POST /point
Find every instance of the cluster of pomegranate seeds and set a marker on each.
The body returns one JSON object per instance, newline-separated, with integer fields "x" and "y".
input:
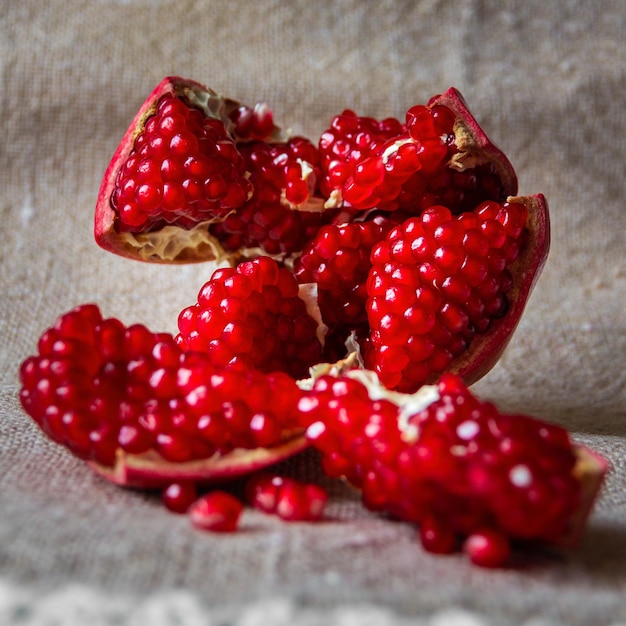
{"x": 97, "y": 387}
{"x": 445, "y": 460}
{"x": 288, "y": 498}
{"x": 275, "y": 219}
{"x": 389, "y": 166}
{"x": 253, "y": 123}
{"x": 350, "y": 141}
{"x": 436, "y": 281}
{"x": 338, "y": 260}
{"x": 252, "y": 316}
{"x": 184, "y": 168}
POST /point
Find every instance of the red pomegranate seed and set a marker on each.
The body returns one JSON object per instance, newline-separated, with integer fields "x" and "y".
{"x": 217, "y": 511}
{"x": 487, "y": 548}
{"x": 178, "y": 497}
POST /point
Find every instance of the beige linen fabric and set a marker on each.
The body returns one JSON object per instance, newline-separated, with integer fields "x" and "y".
{"x": 546, "y": 80}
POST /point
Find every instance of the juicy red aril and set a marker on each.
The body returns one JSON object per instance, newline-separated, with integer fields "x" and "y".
{"x": 456, "y": 465}
{"x": 178, "y": 497}
{"x": 217, "y": 511}
{"x": 441, "y": 278}
{"x": 487, "y": 548}
{"x": 126, "y": 388}
{"x": 184, "y": 168}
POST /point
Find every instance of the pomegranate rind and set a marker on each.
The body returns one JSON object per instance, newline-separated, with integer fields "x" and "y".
{"x": 474, "y": 147}
{"x": 486, "y": 349}
{"x": 590, "y": 469}
{"x": 150, "y": 470}
{"x": 171, "y": 244}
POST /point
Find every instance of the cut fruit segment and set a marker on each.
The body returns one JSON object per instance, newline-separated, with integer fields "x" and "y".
{"x": 176, "y": 170}
{"x": 443, "y": 459}
{"x": 144, "y": 413}
{"x": 446, "y": 292}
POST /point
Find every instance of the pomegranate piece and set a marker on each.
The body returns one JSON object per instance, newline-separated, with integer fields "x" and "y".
{"x": 451, "y": 463}
{"x": 217, "y": 511}
{"x": 288, "y": 498}
{"x": 438, "y": 280}
{"x": 440, "y": 155}
{"x": 176, "y": 169}
{"x": 252, "y": 316}
{"x": 183, "y": 168}
{"x": 144, "y": 413}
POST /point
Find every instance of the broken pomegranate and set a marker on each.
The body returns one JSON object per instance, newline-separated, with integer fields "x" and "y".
{"x": 443, "y": 459}
{"x": 403, "y": 245}
{"x": 439, "y": 282}
{"x": 144, "y": 413}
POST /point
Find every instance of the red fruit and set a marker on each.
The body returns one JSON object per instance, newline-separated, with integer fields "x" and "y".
{"x": 176, "y": 168}
{"x": 487, "y": 548}
{"x": 284, "y": 211}
{"x": 288, "y": 498}
{"x": 144, "y": 413}
{"x": 446, "y": 292}
{"x": 217, "y": 511}
{"x": 252, "y": 317}
{"x": 178, "y": 497}
{"x": 445, "y": 460}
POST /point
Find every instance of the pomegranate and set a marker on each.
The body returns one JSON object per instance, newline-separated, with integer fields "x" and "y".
{"x": 453, "y": 464}
{"x": 420, "y": 257}
{"x": 183, "y": 164}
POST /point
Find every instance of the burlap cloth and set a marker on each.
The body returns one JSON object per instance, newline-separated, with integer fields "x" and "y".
{"x": 546, "y": 79}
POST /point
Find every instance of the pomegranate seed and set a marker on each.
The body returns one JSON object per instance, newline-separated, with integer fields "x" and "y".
{"x": 217, "y": 511}
{"x": 487, "y": 548}
{"x": 178, "y": 497}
